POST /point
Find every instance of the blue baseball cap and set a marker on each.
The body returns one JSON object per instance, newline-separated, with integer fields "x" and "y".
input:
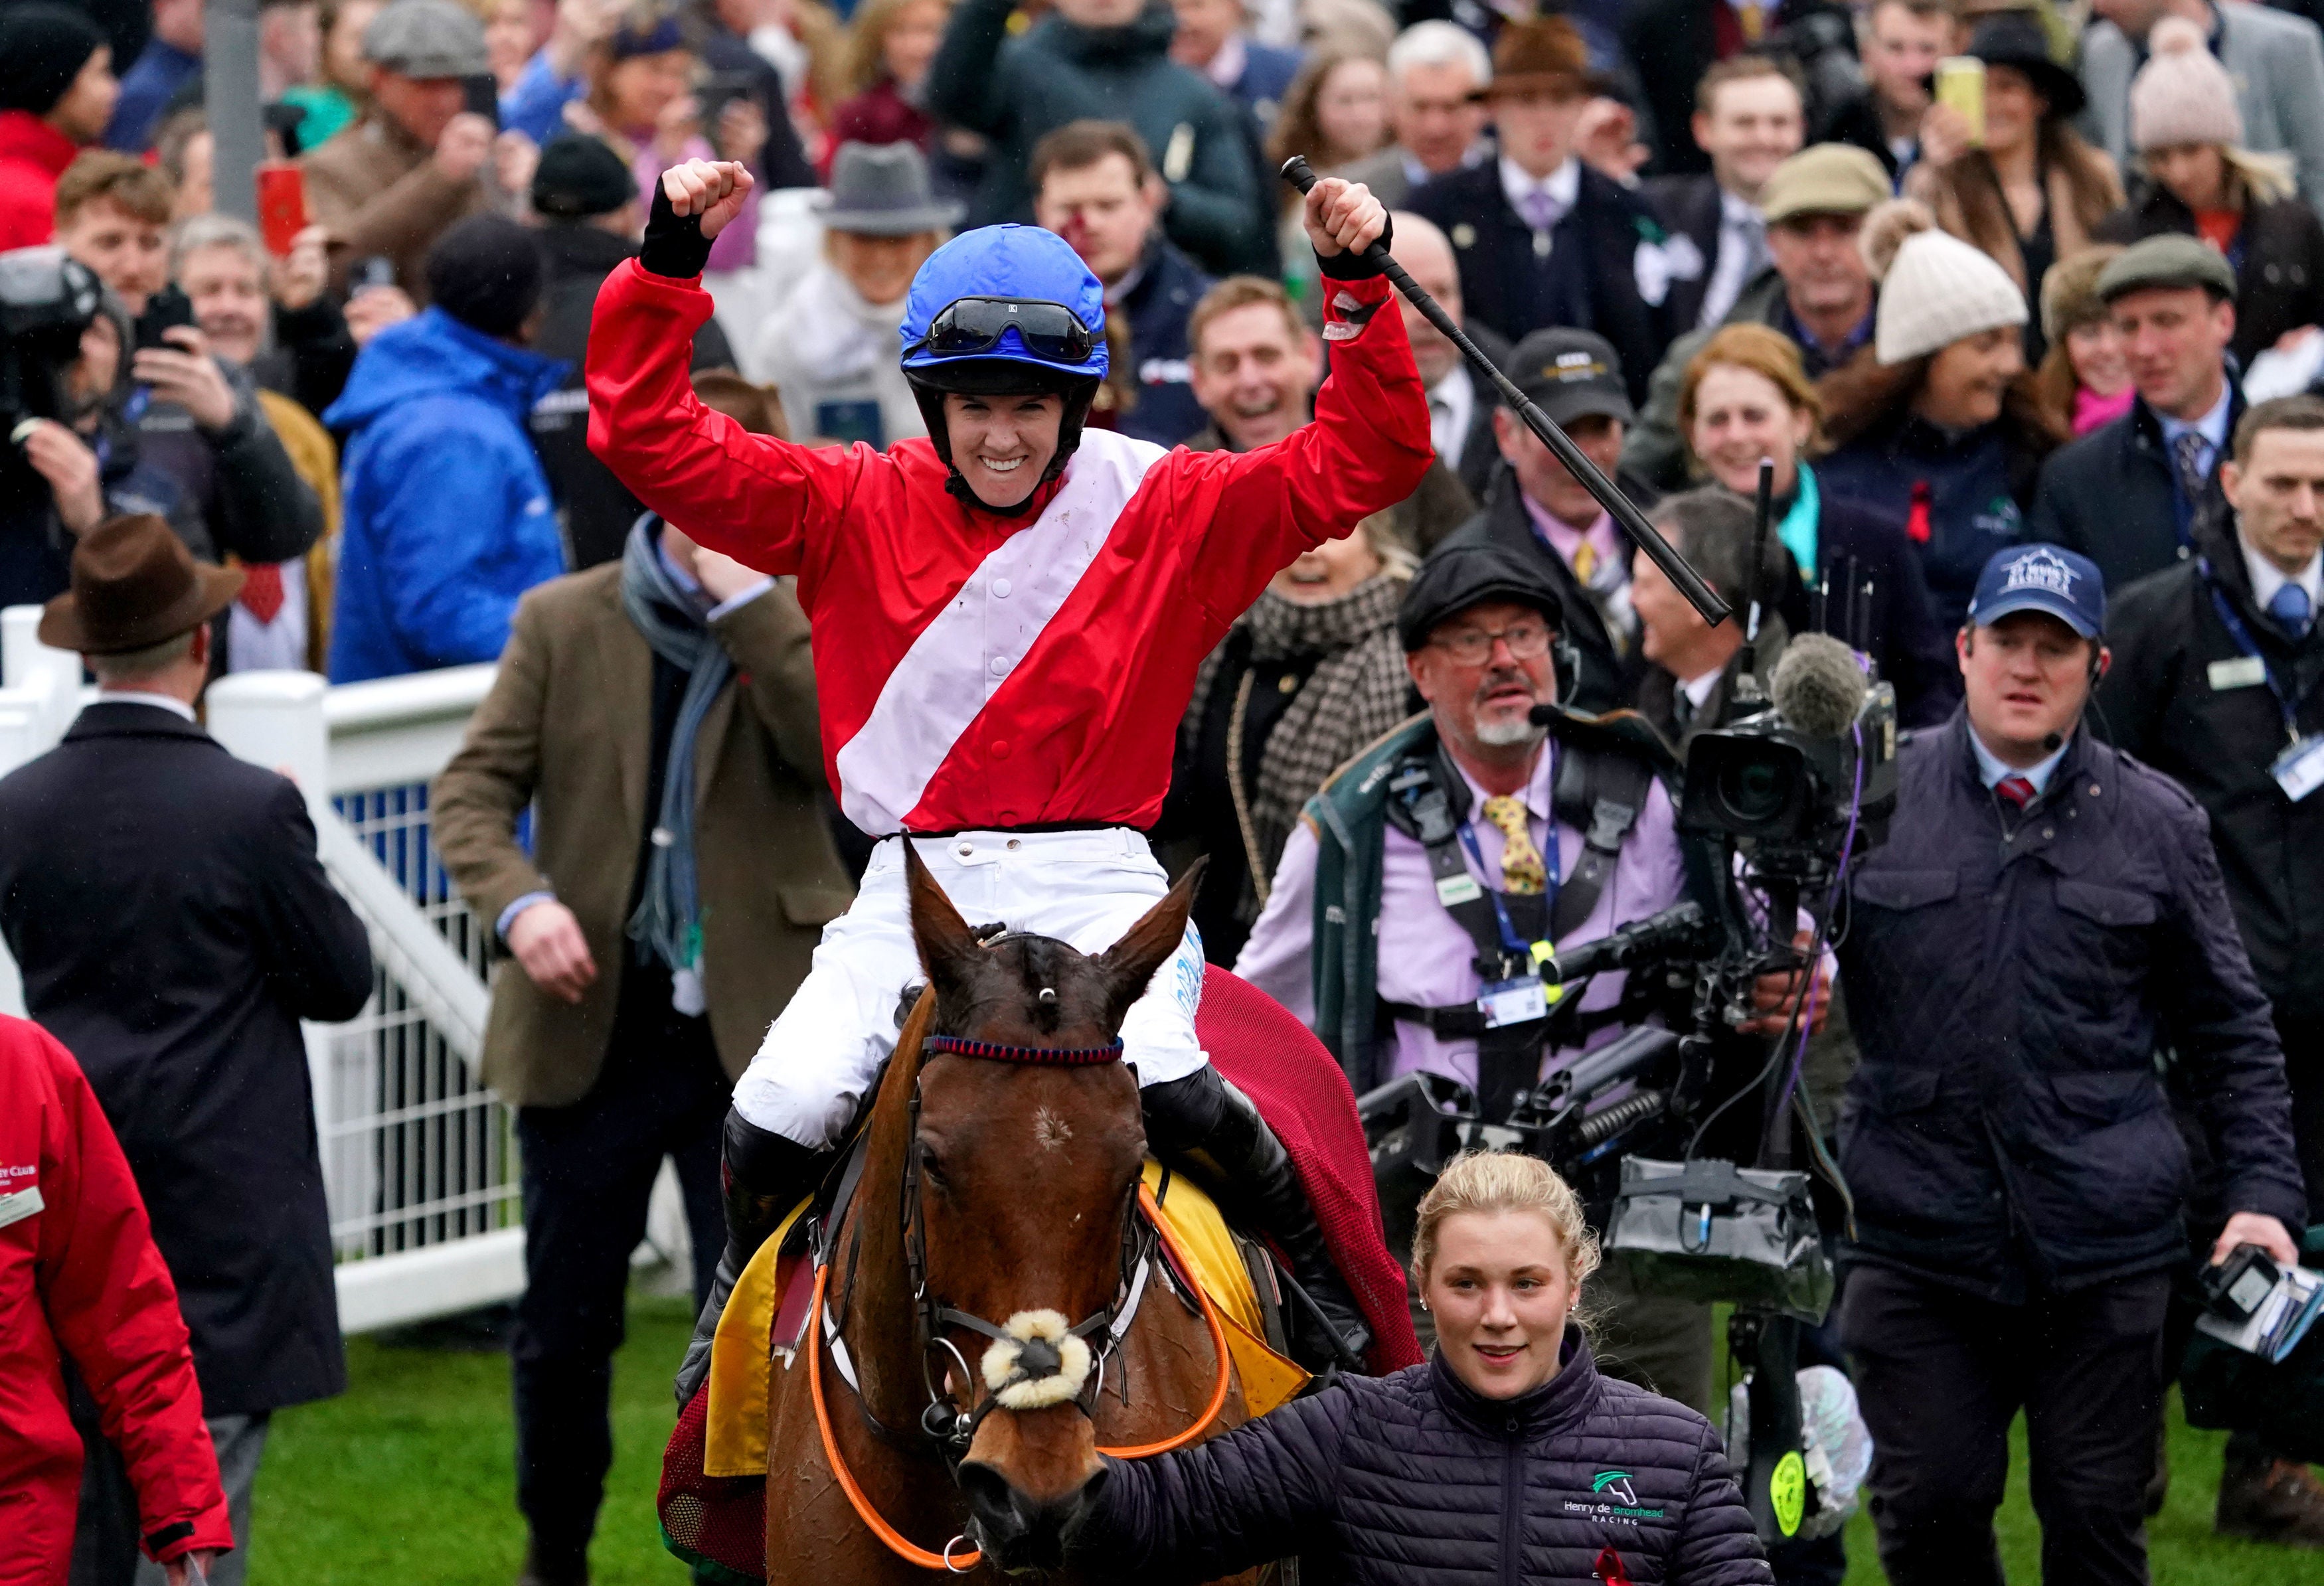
{"x": 2041, "y": 578}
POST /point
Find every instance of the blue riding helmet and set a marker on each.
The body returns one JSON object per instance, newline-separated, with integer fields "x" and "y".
{"x": 1019, "y": 262}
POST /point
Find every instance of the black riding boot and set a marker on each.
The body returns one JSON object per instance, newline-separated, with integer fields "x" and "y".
{"x": 764, "y": 1176}
{"x": 1203, "y": 1127}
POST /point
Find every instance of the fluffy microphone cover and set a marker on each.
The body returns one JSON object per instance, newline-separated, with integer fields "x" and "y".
{"x": 1819, "y": 685}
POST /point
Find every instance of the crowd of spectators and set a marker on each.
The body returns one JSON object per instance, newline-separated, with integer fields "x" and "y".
{"x": 1701, "y": 235}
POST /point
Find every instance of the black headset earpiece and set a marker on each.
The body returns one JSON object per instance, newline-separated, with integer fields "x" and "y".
{"x": 1565, "y": 663}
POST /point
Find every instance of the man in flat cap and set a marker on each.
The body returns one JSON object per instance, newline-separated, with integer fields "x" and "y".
{"x": 2127, "y": 494}
{"x": 413, "y": 166}
{"x": 173, "y": 925}
{"x": 1396, "y": 969}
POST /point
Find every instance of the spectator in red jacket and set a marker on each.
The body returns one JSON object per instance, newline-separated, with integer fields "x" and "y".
{"x": 80, "y": 1280}
{"x": 55, "y": 98}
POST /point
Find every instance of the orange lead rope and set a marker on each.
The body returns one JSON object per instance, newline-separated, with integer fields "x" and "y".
{"x": 897, "y": 1543}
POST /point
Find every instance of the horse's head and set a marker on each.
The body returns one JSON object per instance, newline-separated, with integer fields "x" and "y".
{"x": 1027, "y": 1172}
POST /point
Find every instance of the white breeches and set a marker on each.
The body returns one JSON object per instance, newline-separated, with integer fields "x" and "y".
{"x": 1086, "y": 888}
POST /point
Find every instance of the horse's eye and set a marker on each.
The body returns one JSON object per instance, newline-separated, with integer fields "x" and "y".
{"x": 931, "y": 1169}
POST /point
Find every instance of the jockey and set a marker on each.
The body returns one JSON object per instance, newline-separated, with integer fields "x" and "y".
{"x": 1006, "y": 619}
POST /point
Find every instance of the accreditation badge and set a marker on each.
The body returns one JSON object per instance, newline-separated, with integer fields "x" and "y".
{"x": 2299, "y": 770}
{"x": 1516, "y": 1001}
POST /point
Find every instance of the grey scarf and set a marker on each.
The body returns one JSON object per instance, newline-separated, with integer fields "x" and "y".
{"x": 669, "y": 920}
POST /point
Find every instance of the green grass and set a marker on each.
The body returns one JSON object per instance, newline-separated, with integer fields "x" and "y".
{"x": 409, "y": 1479}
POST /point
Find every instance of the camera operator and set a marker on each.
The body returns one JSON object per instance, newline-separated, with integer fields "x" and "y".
{"x": 1389, "y": 962}
{"x": 2221, "y": 663}
{"x": 2046, "y": 914}
{"x": 72, "y": 460}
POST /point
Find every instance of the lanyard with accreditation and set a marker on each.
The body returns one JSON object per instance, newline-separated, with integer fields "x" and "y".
{"x": 2298, "y": 771}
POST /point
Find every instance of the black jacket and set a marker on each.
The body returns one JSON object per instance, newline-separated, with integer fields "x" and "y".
{"x": 1506, "y": 283}
{"x": 2109, "y": 496}
{"x": 164, "y": 903}
{"x": 2010, "y": 981}
{"x": 246, "y": 495}
{"x": 599, "y": 509}
{"x": 2160, "y": 703}
{"x": 1856, "y": 120}
{"x": 1610, "y": 668}
{"x": 2279, "y": 262}
{"x": 1690, "y": 208}
{"x": 1890, "y": 616}
{"x": 782, "y": 161}
{"x": 1168, "y": 287}
{"x": 1415, "y": 1479}
{"x": 1670, "y": 44}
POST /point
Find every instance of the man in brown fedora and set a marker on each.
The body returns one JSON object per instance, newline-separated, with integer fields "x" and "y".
{"x": 1542, "y": 239}
{"x": 165, "y": 905}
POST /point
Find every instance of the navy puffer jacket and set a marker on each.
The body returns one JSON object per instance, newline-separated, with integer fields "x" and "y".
{"x": 1413, "y": 1479}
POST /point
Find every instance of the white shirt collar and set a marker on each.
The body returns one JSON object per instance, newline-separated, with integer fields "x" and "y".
{"x": 2212, "y": 426}
{"x": 1991, "y": 769}
{"x": 1226, "y": 67}
{"x": 2266, "y": 578}
{"x": 1734, "y": 210}
{"x": 1697, "y": 690}
{"x": 175, "y": 706}
{"x": 1452, "y": 408}
{"x": 1416, "y": 173}
{"x": 1563, "y": 185}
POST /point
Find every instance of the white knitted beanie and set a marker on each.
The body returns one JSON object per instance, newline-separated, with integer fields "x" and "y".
{"x": 2182, "y": 95}
{"x": 1935, "y": 289}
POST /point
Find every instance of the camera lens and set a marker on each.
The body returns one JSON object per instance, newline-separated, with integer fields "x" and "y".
{"x": 1755, "y": 791}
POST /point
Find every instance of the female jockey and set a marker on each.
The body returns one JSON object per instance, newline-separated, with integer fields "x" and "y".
{"x": 1007, "y": 621}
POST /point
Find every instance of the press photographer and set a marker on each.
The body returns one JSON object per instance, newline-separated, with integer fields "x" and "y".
{"x": 1404, "y": 912}
{"x": 2045, "y": 914}
{"x": 72, "y": 460}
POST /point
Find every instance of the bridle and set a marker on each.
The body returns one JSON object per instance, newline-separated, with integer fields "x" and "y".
{"x": 942, "y": 1420}
{"x": 1041, "y": 1353}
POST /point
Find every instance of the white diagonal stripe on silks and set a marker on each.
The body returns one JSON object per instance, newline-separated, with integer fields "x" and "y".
{"x": 947, "y": 677}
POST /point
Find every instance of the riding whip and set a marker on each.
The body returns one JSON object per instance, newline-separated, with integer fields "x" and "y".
{"x": 1624, "y": 511}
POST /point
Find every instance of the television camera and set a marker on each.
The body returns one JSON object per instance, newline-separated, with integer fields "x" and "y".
{"x": 1777, "y": 803}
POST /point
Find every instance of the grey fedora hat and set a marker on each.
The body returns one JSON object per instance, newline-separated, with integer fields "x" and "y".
{"x": 882, "y": 190}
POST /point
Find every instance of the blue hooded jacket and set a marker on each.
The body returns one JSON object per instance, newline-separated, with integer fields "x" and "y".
{"x": 445, "y": 513}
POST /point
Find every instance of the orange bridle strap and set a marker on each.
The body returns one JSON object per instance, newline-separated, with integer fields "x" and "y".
{"x": 896, "y": 1542}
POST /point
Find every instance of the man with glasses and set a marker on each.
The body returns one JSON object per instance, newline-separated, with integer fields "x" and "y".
{"x": 1402, "y": 915}
{"x": 1008, "y": 618}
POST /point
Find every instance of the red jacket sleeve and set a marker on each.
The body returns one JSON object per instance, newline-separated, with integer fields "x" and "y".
{"x": 1365, "y": 452}
{"x": 766, "y": 502}
{"x": 114, "y": 1311}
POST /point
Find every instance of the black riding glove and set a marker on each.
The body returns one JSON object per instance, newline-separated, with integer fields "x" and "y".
{"x": 674, "y": 245}
{"x": 1347, "y": 265}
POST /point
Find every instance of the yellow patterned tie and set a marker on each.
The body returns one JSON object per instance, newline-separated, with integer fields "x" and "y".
{"x": 1523, "y": 874}
{"x": 1585, "y": 561}
{"x": 1753, "y": 20}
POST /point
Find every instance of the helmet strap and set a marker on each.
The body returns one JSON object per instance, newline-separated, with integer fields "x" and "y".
{"x": 1070, "y": 424}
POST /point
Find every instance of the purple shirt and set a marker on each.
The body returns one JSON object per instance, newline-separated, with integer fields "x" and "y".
{"x": 1424, "y": 956}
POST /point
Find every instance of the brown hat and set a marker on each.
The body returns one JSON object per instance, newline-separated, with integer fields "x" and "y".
{"x": 1546, "y": 53}
{"x": 134, "y": 584}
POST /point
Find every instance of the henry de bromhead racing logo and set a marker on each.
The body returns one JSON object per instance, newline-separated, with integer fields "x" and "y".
{"x": 1613, "y": 1497}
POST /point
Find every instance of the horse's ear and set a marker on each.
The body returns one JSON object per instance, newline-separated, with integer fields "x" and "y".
{"x": 943, "y": 937}
{"x": 1130, "y": 962}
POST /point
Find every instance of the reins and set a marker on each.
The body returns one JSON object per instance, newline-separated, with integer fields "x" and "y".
{"x": 1101, "y": 1333}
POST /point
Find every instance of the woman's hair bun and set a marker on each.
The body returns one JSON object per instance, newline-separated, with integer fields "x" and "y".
{"x": 1886, "y": 226}
{"x": 2174, "y": 35}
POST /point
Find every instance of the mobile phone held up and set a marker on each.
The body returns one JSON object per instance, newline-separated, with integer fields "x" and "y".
{"x": 281, "y": 204}
{"x": 165, "y": 311}
{"x": 1961, "y": 83}
{"x": 480, "y": 96}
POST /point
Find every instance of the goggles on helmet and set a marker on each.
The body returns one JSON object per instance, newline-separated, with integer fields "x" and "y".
{"x": 967, "y": 327}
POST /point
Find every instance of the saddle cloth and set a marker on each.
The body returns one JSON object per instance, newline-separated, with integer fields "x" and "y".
{"x": 749, "y": 1344}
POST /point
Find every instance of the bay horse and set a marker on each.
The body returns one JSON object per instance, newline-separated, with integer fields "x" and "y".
{"x": 992, "y": 1243}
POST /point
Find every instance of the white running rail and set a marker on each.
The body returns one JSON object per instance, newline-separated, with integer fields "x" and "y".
{"x": 419, "y": 1159}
